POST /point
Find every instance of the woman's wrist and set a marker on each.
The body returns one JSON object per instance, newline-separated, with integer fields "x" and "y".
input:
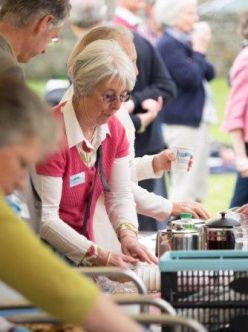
{"x": 91, "y": 256}
{"x": 126, "y": 229}
{"x": 156, "y": 164}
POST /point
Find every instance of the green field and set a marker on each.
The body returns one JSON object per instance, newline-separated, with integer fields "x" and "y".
{"x": 220, "y": 187}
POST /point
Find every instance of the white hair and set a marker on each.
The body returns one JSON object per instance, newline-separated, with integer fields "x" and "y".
{"x": 87, "y": 13}
{"x": 167, "y": 11}
{"x": 99, "y": 60}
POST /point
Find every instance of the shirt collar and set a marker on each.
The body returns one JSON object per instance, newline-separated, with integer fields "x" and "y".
{"x": 4, "y": 43}
{"x": 128, "y": 16}
{"x": 73, "y": 130}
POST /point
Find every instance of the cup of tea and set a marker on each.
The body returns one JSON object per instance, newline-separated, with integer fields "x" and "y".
{"x": 183, "y": 156}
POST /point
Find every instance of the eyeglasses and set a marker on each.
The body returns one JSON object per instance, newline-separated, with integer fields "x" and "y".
{"x": 110, "y": 97}
{"x": 53, "y": 41}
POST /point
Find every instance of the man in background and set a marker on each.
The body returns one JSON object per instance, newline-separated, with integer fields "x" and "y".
{"x": 26, "y": 29}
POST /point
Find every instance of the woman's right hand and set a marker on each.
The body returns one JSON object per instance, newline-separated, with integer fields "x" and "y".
{"x": 198, "y": 210}
{"x": 106, "y": 258}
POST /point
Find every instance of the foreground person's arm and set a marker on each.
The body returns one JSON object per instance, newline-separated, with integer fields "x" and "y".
{"x": 31, "y": 268}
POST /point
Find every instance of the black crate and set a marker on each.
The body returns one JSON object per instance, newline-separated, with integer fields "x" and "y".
{"x": 209, "y": 286}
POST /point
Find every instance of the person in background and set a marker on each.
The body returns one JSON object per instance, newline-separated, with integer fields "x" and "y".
{"x": 236, "y": 115}
{"x": 26, "y": 29}
{"x": 27, "y": 134}
{"x": 86, "y": 15}
{"x": 93, "y": 160}
{"x": 147, "y": 203}
{"x": 185, "y": 118}
{"x": 150, "y": 29}
{"x": 153, "y": 82}
{"x": 127, "y": 13}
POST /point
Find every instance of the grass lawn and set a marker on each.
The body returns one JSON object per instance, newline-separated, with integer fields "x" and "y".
{"x": 220, "y": 187}
{"x": 37, "y": 86}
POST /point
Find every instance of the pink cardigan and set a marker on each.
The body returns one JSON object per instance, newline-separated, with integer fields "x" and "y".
{"x": 67, "y": 164}
{"x": 236, "y": 112}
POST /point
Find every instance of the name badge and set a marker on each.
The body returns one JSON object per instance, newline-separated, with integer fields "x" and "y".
{"x": 77, "y": 179}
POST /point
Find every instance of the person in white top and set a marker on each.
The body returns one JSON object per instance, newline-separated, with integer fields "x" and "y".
{"x": 147, "y": 203}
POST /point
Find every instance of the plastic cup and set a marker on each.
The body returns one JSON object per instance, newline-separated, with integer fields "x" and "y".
{"x": 183, "y": 155}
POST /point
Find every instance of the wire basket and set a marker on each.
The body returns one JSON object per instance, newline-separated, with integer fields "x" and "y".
{"x": 209, "y": 286}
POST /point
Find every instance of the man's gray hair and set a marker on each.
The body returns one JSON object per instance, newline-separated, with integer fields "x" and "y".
{"x": 167, "y": 11}
{"x": 100, "y": 60}
{"x": 23, "y": 115}
{"x": 87, "y": 13}
{"x": 22, "y": 12}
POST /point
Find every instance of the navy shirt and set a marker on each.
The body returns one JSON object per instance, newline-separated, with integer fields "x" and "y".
{"x": 188, "y": 69}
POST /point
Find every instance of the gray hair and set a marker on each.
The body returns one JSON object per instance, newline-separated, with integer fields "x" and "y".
{"x": 22, "y": 12}
{"x": 23, "y": 115}
{"x": 87, "y": 13}
{"x": 167, "y": 11}
{"x": 99, "y": 60}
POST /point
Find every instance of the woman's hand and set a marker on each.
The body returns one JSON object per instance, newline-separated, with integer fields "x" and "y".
{"x": 198, "y": 210}
{"x": 130, "y": 246}
{"x": 162, "y": 161}
{"x": 107, "y": 258}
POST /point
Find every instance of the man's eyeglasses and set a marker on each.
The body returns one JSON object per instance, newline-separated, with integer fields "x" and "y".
{"x": 53, "y": 41}
{"x": 110, "y": 97}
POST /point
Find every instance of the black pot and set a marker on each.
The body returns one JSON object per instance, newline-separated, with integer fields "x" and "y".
{"x": 220, "y": 233}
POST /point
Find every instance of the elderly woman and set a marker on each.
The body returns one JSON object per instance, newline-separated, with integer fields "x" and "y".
{"x": 93, "y": 159}
{"x": 27, "y": 132}
{"x": 187, "y": 116}
{"x": 147, "y": 203}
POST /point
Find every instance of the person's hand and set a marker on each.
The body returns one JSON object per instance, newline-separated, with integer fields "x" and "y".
{"x": 152, "y": 108}
{"x": 201, "y": 37}
{"x": 243, "y": 209}
{"x": 106, "y": 258}
{"x": 153, "y": 105}
{"x": 198, "y": 210}
{"x": 162, "y": 161}
{"x": 242, "y": 166}
{"x": 131, "y": 246}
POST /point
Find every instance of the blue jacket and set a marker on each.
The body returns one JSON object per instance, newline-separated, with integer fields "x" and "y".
{"x": 188, "y": 69}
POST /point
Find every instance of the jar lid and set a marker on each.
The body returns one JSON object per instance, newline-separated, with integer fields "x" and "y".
{"x": 186, "y": 215}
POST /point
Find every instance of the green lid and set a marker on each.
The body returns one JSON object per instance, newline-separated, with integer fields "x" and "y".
{"x": 186, "y": 215}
